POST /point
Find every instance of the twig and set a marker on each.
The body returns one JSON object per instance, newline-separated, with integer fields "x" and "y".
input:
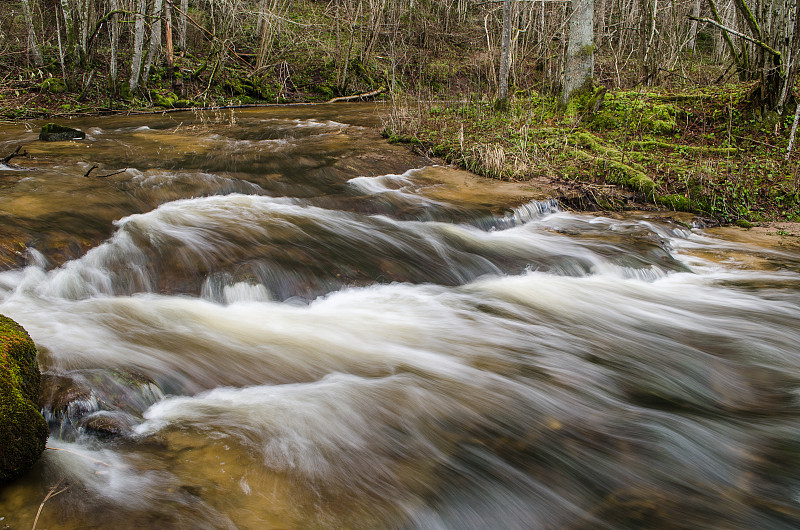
{"x": 90, "y": 170}
{"x": 78, "y": 454}
{"x": 50, "y": 494}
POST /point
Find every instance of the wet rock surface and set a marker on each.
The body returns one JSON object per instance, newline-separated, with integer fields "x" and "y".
{"x": 23, "y": 431}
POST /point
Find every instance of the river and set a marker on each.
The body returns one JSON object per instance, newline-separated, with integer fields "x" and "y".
{"x": 271, "y": 318}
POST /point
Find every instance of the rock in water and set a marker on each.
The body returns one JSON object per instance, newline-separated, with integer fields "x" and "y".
{"x": 23, "y": 430}
{"x": 58, "y": 133}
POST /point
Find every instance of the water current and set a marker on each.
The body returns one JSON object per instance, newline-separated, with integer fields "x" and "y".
{"x": 274, "y": 319}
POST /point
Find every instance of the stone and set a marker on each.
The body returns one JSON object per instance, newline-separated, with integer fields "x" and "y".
{"x": 23, "y": 430}
{"x": 58, "y": 133}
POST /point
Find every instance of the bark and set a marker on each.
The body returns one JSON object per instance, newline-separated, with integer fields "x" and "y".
{"x": 692, "y": 44}
{"x": 138, "y": 45}
{"x": 505, "y": 51}
{"x": 113, "y": 4}
{"x": 652, "y": 32}
{"x": 33, "y": 42}
{"x": 182, "y": 24}
{"x": 794, "y": 131}
{"x": 168, "y": 34}
{"x": 579, "y": 67}
{"x": 155, "y": 40}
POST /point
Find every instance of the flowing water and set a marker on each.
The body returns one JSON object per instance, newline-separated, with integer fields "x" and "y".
{"x": 274, "y": 319}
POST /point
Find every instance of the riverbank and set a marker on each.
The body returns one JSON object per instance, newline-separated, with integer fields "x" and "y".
{"x": 703, "y": 151}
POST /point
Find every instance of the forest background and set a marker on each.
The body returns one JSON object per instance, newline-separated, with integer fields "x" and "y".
{"x": 683, "y": 104}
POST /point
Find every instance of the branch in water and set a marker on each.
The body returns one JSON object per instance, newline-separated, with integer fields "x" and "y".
{"x": 104, "y": 176}
{"x": 359, "y": 96}
{"x": 14, "y": 154}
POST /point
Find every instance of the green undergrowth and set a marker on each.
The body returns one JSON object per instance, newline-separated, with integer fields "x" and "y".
{"x": 703, "y": 151}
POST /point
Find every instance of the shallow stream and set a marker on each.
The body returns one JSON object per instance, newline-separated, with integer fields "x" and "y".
{"x": 274, "y": 319}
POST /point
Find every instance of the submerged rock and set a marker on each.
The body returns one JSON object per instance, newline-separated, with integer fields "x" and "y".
{"x": 58, "y": 133}
{"x": 99, "y": 402}
{"x": 23, "y": 430}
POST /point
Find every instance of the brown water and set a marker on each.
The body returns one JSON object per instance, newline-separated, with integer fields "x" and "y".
{"x": 274, "y": 319}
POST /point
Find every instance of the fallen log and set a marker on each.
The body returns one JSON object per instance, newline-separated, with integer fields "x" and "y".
{"x": 366, "y": 95}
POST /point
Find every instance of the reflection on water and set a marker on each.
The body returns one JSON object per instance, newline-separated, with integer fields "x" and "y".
{"x": 276, "y": 320}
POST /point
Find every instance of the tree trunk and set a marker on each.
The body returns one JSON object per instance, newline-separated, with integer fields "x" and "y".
{"x": 33, "y": 43}
{"x": 648, "y": 70}
{"x": 155, "y": 40}
{"x": 69, "y": 27}
{"x": 692, "y": 44}
{"x": 138, "y": 45}
{"x": 168, "y": 34}
{"x": 113, "y": 4}
{"x": 505, "y": 52}
{"x": 579, "y": 66}
{"x": 182, "y": 24}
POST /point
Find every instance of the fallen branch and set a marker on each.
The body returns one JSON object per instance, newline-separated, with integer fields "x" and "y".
{"x": 737, "y": 34}
{"x": 103, "y": 176}
{"x": 14, "y": 154}
{"x": 50, "y": 494}
{"x": 359, "y": 96}
{"x": 112, "y": 174}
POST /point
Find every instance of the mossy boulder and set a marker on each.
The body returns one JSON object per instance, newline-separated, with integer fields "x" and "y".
{"x": 23, "y": 430}
{"x": 53, "y": 85}
{"x": 59, "y": 133}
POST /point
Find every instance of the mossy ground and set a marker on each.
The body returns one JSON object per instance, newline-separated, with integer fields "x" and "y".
{"x": 23, "y": 430}
{"x": 699, "y": 151}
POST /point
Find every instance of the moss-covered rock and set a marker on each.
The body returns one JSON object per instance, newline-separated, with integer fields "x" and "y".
{"x": 23, "y": 430}
{"x": 53, "y": 85}
{"x": 59, "y": 133}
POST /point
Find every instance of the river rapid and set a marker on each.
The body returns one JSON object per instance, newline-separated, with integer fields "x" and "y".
{"x": 274, "y": 319}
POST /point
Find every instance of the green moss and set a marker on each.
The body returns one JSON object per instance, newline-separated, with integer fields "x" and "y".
{"x": 23, "y": 431}
{"x": 57, "y": 133}
{"x": 610, "y": 164}
{"x": 679, "y": 148}
{"x": 675, "y": 202}
{"x": 166, "y": 101}
{"x": 635, "y": 113}
{"x": 53, "y": 85}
